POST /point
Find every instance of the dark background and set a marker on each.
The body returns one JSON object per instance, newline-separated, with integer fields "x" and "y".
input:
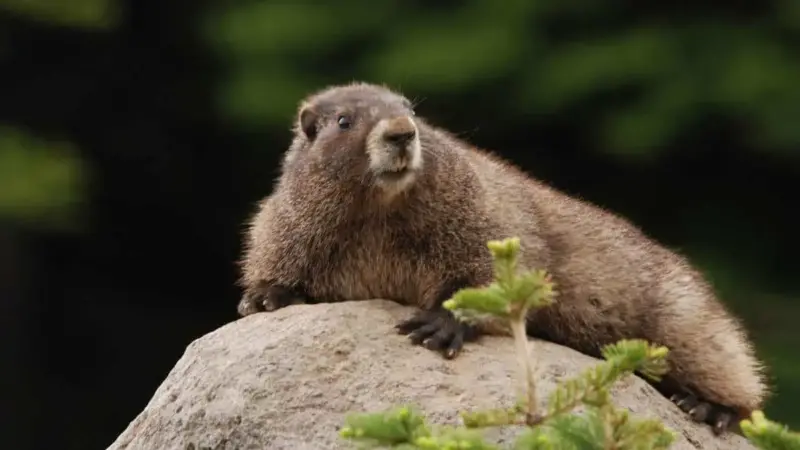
{"x": 136, "y": 137}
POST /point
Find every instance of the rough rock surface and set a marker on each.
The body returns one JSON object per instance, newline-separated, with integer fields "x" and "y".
{"x": 286, "y": 380}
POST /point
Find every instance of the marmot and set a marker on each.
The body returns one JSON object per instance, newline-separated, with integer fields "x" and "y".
{"x": 374, "y": 202}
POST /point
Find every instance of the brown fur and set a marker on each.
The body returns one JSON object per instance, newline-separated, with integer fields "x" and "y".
{"x": 327, "y": 233}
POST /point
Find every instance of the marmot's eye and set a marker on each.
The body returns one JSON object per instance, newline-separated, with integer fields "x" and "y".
{"x": 344, "y": 122}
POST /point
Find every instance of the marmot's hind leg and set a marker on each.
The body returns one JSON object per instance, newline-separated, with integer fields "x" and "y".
{"x": 714, "y": 374}
{"x": 718, "y": 416}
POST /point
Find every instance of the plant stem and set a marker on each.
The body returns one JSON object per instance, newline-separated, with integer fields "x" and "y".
{"x": 525, "y": 365}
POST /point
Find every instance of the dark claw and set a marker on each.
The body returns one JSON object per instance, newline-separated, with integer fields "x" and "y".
{"x": 420, "y": 334}
{"x": 700, "y": 412}
{"x": 455, "y": 346}
{"x": 440, "y": 339}
{"x": 407, "y": 326}
{"x": 269, "y": 298}
{"x": 438, "y": 330}
{"x": 718, "y": 416}
{"x": 723, "y": 421}
{"x": 687, "y": 403}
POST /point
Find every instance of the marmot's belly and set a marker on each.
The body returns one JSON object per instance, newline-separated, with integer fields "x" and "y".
{"x": 363, "y": 282}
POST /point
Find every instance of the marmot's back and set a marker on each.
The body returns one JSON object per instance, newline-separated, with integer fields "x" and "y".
{"x": 572, "y": 231}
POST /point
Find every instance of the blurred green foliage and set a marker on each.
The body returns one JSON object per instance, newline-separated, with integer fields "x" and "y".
{"x": 96, "y": 14}
{"x": 681, "y": 66}
{"x": 41, "y": 182}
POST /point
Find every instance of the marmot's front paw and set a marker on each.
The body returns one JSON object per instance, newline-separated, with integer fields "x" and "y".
{"x": 268, "y": 298}
{"x": 438, "y": 330}
{"x": 719, "y": 417}
{"x": 249, "y": 304}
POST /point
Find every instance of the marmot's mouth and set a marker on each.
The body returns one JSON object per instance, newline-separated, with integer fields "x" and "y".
{"x": 395, "y": 174}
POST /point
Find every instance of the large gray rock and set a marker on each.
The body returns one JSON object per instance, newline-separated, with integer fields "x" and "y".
{"x": 286, "y": 380}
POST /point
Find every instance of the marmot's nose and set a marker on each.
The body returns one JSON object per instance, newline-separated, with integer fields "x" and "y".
{"x": 400, "y": 138}
{"x": 400, "y": 131}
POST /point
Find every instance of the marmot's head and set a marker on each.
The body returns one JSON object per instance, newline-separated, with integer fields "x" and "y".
{"x": 358, "y": 132}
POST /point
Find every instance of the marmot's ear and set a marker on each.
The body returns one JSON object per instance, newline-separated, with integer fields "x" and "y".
{"x": 308, "y": 122}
